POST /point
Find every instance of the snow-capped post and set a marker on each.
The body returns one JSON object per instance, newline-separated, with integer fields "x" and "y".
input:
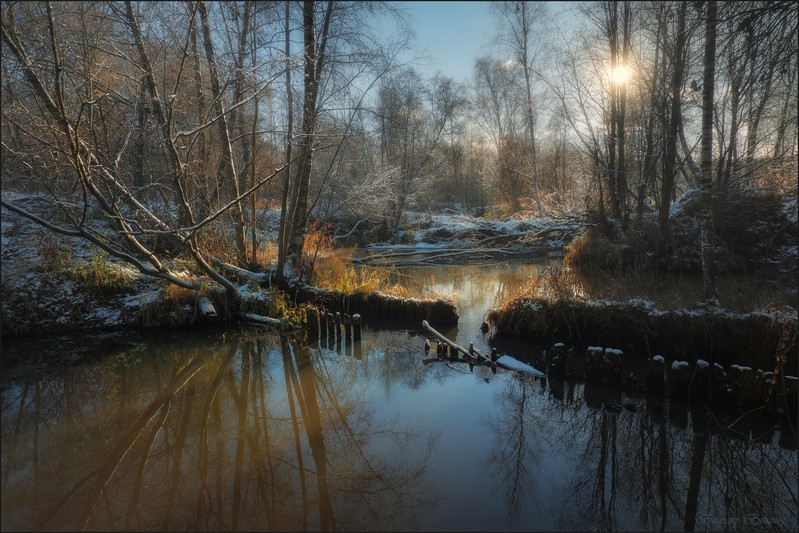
{"x": 656, "y": 377}
{"x": 679, "y": 378}
{"x": 699, "y": 385}
{"x": 322, "y": 324}
{"x": 593, "y": 363}
{"x": 337, "y": 322}
{"x": 741, "y": 383}
{"x": 555, "y": 359}
{"x": 356, "y": 326}
{"x": 331, "y": 326}
{"x": 611, "y": 367}
{"x": 348, "y": 328}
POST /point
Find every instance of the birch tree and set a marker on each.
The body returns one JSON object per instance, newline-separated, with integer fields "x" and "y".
{"x": 522, "y": 22}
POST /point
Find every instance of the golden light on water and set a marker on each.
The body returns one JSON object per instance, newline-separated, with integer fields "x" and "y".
{"x": 620, "y": 74}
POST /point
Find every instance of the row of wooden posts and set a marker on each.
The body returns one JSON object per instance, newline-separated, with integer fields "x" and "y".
{"x": 735, "y": 385}
{"x": 336, "y": 325}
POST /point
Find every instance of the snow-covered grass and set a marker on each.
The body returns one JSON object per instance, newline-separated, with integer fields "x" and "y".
{"x": 452, "y": 229}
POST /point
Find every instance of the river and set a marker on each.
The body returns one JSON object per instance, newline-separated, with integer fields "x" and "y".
{"x": 243, "y": 429}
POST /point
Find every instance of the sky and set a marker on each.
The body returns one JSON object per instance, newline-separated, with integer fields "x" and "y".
{"x": 454, "y": 34}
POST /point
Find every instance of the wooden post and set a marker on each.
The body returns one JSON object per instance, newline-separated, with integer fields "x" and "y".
{"x": 322, "y": 324}
{"x": 337, "y": 322}
{"x": 593, "y": 363}
{"x": 656, "y": 377}
{"x": 356, "y": 327}
{"x": 347, "y": 329}
{"x": 313, "y": 322}
{"x": 679, "y": 378}
{"x": 331, "y": 326}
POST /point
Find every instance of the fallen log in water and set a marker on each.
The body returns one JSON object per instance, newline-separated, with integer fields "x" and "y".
{"x": 472, "y": 354}
{"x": 475, "y": 357}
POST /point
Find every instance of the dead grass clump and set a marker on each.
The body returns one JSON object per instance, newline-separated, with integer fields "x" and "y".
{"x": 176, "y": 305}
{"x": 265, "y": 254}
{"x": 55, "y": 255}
{"x": 332, "y": 269}
{"x": 553, "y": 284}
{"x": 334, "y": 272}
{"x": 179, "y": 295}
{"x": 100, "y": 277}
{"x": 592, "y": 249}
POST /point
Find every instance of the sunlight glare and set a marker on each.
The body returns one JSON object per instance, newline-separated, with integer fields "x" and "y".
{"x": 620, "y": 74}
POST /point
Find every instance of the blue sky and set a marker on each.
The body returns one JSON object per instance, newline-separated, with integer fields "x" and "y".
{"x": 454, "y": 34}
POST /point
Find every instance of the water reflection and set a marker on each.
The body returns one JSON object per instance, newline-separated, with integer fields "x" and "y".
{"x": 254, "y": 431}
{"x": 250, "y": 434}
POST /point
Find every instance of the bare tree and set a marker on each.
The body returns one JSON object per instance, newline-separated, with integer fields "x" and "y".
{"x": 706, "y": 217}
{"x": 670, "y": 156}
{"x": 522, "y": 20}
{"x": 65, "y": 100}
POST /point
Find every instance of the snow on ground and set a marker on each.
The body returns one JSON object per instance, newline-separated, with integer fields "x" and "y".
{"x": 454, "y": 229}
{"x": 39, "y": 295}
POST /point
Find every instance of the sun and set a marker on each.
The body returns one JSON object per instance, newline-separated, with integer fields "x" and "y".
{"x": 620, "y": 74}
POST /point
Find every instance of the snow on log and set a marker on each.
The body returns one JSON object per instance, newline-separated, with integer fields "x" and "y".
{"x": 265, "y": 320}
{"x": 207, "y": 308}
{"x": 508, "y": 362}
{"x": 505, "y": 361}
{"x": 258, "y": 277}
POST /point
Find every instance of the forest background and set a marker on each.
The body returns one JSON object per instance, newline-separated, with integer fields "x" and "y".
{"x": 164, "y": 130}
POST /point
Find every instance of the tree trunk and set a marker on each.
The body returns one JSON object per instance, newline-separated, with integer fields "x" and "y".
{"x": 227, "y": 166}
{"x": 314, "y": 62}
{"x": 285, "y": 227}
{"x": 621, "y": 177}
{"x": 706, "y": 195}
{"x": 670, "y": 156}
{"x": 529, "y": 109}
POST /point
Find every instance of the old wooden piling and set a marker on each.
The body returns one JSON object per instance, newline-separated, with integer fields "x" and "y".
{"x": 612, "y": 366}
{"x": 656, "y": 375}
{"x": 679, "y": 379}
{"x": 699, "y": 384}
{"x": 593, "y": 363}
{"x": 356, "y": 327}
{"x": 337, "y": 324}
{"x": 454, "y": 348}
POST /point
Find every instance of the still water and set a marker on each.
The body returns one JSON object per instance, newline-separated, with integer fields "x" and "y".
{"x": 247, "y": 430}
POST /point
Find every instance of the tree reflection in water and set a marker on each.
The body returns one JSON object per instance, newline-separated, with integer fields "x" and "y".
{"x": 255, "y": 434}
{"x": 261, "y": 432}
{"x": 636, "y": 469}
